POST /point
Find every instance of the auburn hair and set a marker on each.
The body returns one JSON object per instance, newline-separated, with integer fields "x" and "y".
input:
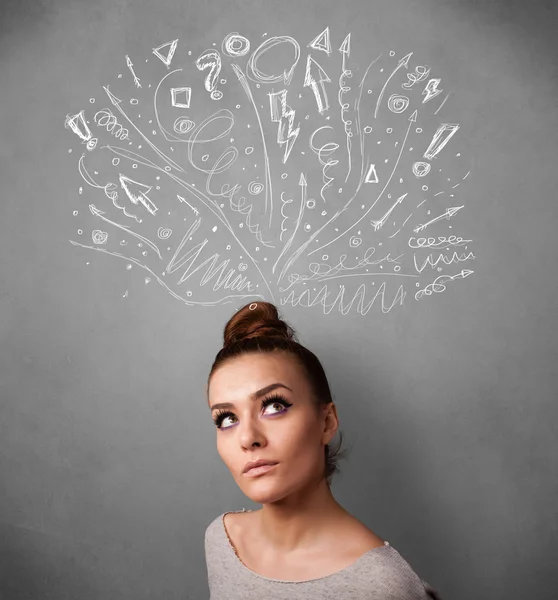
{"x": 257, "y": 327}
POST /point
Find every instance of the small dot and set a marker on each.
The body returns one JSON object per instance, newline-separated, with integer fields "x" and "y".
{"x": 419, "y": 129}
{"x": 391, "y": 53}
{"x": 389, "y": 129}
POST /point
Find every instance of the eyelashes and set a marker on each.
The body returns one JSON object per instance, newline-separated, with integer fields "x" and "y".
{"x": 274, "y": 399}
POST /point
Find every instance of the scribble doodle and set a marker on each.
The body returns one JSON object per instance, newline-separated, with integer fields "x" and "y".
{"x": 105, "y": 118}
{"x": 185, "y": 186}
{"x": 99, "y": 237}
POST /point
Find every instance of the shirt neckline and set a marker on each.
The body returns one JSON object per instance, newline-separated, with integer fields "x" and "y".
{"x": 232, "y": 549}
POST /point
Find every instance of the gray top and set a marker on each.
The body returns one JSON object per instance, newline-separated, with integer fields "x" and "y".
{"x": 379, "y": 574}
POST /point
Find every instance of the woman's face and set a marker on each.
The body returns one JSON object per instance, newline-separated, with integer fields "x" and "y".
{"x": 286, "y": 429}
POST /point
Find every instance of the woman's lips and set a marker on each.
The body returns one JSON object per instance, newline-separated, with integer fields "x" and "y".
{"x": 255, "y": 471}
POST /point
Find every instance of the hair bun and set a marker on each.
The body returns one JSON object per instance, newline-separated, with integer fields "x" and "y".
{"x": 257, "y": 319}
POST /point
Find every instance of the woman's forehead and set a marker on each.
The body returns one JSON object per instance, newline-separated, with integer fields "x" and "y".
{"x": 245, "y": 375}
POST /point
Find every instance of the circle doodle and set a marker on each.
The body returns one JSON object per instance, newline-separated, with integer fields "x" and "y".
{"x": 235, "y": 45}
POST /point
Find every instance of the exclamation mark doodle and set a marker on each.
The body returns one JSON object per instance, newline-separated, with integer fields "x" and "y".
{"x": 444, "y": 134}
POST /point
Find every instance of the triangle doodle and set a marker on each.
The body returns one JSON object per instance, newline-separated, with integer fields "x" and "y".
{"x": 371, "y": 173}
{"x": 321, "y": 42}
{"x": 168, "y": 58}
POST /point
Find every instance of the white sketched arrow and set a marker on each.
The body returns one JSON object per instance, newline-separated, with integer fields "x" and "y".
{"x": 447, "y": 215}
{"x": 379, "y": 223}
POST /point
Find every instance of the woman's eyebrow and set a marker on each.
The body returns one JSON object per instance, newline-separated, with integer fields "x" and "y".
{"x": 254, "y": 396}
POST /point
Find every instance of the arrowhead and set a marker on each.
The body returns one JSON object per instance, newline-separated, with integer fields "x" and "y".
{"x": 399, "y": 200}
{"x": 346, "y": 45}
{"x": 95, "y": 211}
{"x": 453, "y": 210}
{"x": 112, "y": 97}
{"x": 405, "y": 60}
{"x": 135, "y": 189}
{"x": 467, "y": 272}
{"x": 302, "y": 180}
{"x": 313, "y": 69}
{"x": 180, "y": 198}
{"x": 413, "y": 117}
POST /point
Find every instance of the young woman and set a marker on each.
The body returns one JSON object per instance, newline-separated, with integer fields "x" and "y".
{"x": 271, "y": 403}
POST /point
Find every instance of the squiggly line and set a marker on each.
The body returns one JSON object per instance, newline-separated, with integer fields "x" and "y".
{"x": 322, "y": 272}
{"x": 325, "y": 150}
{"x": 431, "y": 242}
{"x": 322, "y": 296}
{"x": 442, "y": 258}
{"x": 105, "y": 118}
{"x": 283, "y": 229}
{"x": 438, "y": 284}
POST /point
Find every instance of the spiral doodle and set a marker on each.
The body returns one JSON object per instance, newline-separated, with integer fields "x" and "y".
{"x": 255, "y": 187}
{"x": 398, "y": 103}
{"x": 164, "y": 233}
{"x": 105, "y": 118}
{"x": 354, "y": 242}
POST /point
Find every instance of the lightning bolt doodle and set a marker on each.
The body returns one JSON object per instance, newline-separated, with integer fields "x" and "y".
{"x": 284, "y": 115}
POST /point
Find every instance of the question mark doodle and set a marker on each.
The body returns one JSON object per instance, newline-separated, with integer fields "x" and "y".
{"x": 211, "y": 58}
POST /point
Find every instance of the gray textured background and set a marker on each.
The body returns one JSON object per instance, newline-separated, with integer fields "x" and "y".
{"x": 109, "y": 472}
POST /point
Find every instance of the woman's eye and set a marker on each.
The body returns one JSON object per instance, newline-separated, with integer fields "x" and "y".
{"x": 282, "y": 404}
